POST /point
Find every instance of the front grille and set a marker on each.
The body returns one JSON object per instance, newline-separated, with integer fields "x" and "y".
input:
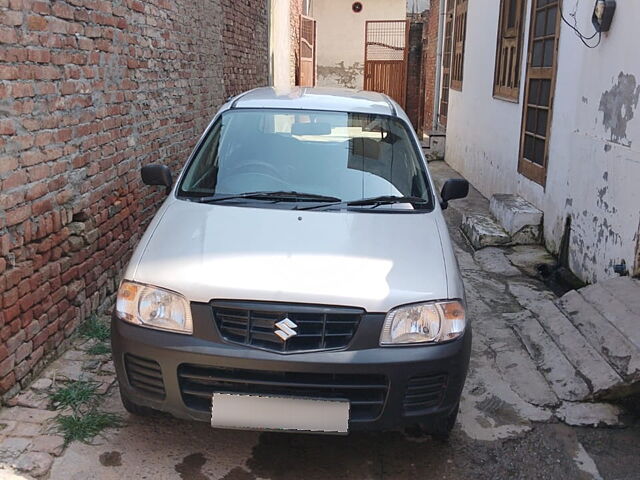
{"x": 144, "y": 375}
{"x": 423, "y": 393}
{"x": 318, "y": 327}
{"x": 366, "y": 393}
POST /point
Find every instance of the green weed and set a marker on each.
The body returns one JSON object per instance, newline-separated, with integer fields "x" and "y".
{"x": 75, "y": 395}
{"x": 86, "y": 426}
{"x": 95, "y": 328}
{"x": 101, "y": 348}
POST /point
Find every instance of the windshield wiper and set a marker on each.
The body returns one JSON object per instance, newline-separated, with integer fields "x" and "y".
{"x": 278, "y": 196}
{"x": 375, "y": 201}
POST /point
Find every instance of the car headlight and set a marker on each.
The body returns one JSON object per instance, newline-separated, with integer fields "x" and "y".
{"x": 431, "y": 322}
{"x": 153, "y": 307}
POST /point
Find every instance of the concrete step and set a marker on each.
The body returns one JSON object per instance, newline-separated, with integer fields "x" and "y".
{"x": 593, "y": 368}
{"x": 618, "y": 311}
{"x": 483, "y": 231}
{"x": 627, "y": 290}
{"x": 565, "y": 381}
{"x": 520, "y": 219}
{"x": 622, "y": 354}
{"x": 563, "y": 351}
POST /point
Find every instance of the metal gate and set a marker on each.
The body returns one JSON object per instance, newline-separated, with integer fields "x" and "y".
{"x": 307, "y": 73}
{"x": 385, "y": 58}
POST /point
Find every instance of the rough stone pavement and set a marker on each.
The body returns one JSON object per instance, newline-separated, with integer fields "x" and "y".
{"x": 512, "y": 422}
{"x": 29, "y": 439}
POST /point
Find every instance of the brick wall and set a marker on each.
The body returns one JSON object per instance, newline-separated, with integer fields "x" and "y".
{"x": 89, "y": 91}
{"x": 429, "y": 63}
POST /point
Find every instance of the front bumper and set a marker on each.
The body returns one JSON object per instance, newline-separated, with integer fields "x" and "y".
{"x": 434, "y": 373}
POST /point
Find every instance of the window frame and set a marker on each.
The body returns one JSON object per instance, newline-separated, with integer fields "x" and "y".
{"x": 447, "y": 55}
{"x": 515, "y": 36}
{"x": 531, "y": 170}
{"x": 458, "y": 43}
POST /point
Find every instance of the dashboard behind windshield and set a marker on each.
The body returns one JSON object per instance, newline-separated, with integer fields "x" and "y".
{"x": 349, "y": 156}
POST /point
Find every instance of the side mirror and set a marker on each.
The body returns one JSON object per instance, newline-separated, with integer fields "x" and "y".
{"x": 157, "y": 175}
{"x": 452, "y": 189}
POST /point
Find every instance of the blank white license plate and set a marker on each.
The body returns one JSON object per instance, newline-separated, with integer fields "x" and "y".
{"x": 260, "y": 412}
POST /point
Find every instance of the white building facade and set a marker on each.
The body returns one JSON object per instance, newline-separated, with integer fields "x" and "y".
{"x": 341, "y": 37}
{"x": 566, "y": 136}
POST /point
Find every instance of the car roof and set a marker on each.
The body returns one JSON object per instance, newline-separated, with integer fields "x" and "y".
{"x": 306, "y": 98}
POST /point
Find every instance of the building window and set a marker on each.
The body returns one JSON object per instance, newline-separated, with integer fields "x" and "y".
{"x": 446, "y": 64}
{"x": 459, "y": 34}
{"x": 540, "y": 85}
{"x": 506, "y": 82}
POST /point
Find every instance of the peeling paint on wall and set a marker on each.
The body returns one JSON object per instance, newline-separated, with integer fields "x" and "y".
{"x": 617, "y": 106}
{"x": 341, "y": 75}
{"x": 636, "y": 268}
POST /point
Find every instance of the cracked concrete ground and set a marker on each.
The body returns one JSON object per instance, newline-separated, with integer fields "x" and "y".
{"x": 512, "y": 422}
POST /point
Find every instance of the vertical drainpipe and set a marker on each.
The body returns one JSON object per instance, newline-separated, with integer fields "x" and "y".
{"x": 436, "y": 97}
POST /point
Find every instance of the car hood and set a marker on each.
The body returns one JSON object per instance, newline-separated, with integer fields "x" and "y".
{"x": 375, "y": 261}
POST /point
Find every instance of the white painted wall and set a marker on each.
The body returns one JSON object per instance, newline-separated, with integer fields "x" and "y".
{"x": 592, "y": 176}
{"x": 340, "y": 49}
{"x": 280, "y": 43}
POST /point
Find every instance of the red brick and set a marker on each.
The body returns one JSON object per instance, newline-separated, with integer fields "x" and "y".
{"x": 61, "y": 10}
{"x": 7, "y": 127}
{"x": 17, "y": 215}
{"x": 40, "y": 56}
{"x": 11, "y": 18}
{"x": 21, "y": 90}
{"x": 36, "y": 22}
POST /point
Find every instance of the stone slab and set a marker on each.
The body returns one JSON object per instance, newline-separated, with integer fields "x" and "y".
{"x": 589, "y": 414}
{"x": 23, "y": 414}
{"x": 11, "y": 447}
{"x": 627, "y": 290}
{"x": 483, "y": 231}
{"x": 623, "y": 355}
{"x": 561, "y": 375}
{"x": 37, "y": 464}
{"x": 513, "y": 362}
{"x": 52, "y": 444}
{"x": 515, "y": 214}
{"x": 493, "y": 260}
{"x": 601, "y": 378}
{"x": 614, "y": 310}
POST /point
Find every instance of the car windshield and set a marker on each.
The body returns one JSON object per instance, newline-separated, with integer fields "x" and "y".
{"x": 293, "y": 156}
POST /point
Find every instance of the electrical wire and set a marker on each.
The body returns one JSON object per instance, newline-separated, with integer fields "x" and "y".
{"x": 578, "y": 33}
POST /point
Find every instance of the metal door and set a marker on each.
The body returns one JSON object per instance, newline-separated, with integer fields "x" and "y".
{"x": 307, "y": 72}
{"x": 385, "y": 58}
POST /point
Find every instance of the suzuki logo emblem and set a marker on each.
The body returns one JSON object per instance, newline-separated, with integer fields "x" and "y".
{"x": 285, "y": 329}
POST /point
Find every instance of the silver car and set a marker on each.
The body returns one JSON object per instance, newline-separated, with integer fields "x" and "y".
{"x": 299, "y": 275}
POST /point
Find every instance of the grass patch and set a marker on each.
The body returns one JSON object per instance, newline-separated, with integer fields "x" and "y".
{"x": 75, "y": 395}
{"x": 86, "y": 426}
{"x": 95, "y": 328}
{"x": 101, "y": 348}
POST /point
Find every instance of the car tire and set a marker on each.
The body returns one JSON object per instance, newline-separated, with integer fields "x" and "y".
{"x": 135, "y": 409}
{"x": 440, "y": 429}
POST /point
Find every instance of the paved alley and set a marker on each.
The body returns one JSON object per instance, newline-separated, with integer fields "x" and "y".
{"x": 512, "y": 422}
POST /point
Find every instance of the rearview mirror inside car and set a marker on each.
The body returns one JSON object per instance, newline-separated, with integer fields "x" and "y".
{"x": 452, "y": 189}
{"x": 157, "y": 175}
